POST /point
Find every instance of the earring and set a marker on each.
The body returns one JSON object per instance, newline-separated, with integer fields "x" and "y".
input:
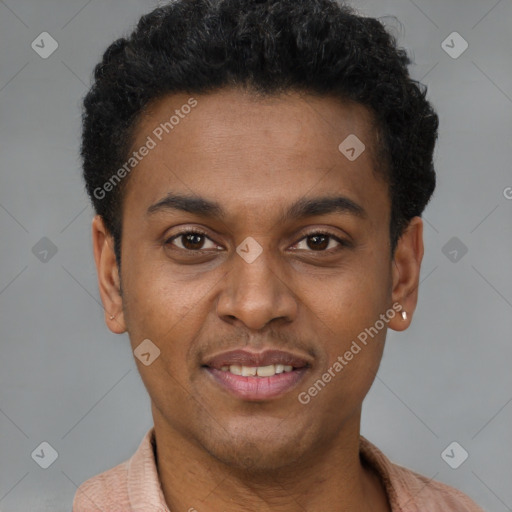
{"x": 112, "y": 317}
{"x": 404, "y": 315}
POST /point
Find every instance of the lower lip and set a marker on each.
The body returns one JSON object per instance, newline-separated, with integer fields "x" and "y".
{"x": 257, "y": 388}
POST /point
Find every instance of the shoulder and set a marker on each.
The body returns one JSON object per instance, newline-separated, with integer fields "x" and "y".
{"x": 131, "y": 485}
{"x": 431, "y": 495}
{"x": 409, "y": 491}
{"x": 105, "y": 491}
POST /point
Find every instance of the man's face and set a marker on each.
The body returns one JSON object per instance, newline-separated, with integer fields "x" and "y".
{"x": 319, "y": 281}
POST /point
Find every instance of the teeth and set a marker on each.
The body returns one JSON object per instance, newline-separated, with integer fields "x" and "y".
{"x": 236, "y": 369}
{"x": 248, "y": 371}
{"x": 266, "y": 371}
{"x": 260, "y": 371}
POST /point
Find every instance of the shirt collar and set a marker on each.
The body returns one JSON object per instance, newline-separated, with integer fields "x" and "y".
{"x": 144, "y": 487}
{"x": 397, "y": 490}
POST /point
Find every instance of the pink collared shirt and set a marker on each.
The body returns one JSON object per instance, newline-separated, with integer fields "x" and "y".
{"x": 134, "y": 486}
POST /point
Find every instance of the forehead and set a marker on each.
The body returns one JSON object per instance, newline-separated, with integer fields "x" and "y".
{"x": 244, "y": 151}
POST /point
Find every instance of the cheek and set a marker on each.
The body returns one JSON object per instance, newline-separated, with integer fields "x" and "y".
{"x": 165, "y": 315}
{"x": 353, "y": 351}
{"x": 351, "y": 328}
{"x": 350, "y": 300}
{"x": 157, "y": 302}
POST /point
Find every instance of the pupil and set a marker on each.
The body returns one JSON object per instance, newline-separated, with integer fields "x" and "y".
{"x": 322, "y": 245}
{"x": 192, "y": 239}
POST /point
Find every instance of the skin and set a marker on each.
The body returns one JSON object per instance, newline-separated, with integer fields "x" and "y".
{"x": 256, "y": 157}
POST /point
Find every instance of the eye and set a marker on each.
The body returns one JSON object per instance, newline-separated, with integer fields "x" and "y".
{"x": 317, "y": 241}
{"x": 191, "y": 241}
{"x": 320, "y": 241}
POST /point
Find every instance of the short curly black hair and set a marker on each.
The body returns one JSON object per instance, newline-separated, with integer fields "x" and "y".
{"x": 320, "y": 47}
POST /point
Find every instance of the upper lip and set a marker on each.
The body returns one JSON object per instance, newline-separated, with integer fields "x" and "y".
{"x": 265, "y": 358}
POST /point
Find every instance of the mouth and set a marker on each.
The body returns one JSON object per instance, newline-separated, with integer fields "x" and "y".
{"x": 257, "y": 376}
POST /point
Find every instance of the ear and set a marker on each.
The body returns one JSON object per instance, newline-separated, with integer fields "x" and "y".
{"x": 406, "y": 267}
{"x": 108, "y": 276}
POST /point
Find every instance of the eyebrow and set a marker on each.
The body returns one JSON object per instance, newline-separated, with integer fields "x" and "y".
{"x": 301, "y": 209}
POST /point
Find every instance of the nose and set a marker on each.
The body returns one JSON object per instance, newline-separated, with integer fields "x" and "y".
{"x": 256, "y": 293}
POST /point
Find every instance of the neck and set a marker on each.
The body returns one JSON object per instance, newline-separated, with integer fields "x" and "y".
{"x": 194, "y": 480}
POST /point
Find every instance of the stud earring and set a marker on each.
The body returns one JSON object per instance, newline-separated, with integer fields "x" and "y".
{"x": 112, "y": 317}
{"x": 404, "y": 315}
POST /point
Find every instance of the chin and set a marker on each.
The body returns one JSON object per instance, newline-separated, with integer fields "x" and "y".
{"x": 253, "y": 456}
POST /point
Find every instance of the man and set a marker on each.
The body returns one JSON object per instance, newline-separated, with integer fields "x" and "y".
{"x": 258, "y": 169}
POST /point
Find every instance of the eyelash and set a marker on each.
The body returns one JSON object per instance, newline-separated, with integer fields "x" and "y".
{"x": 342, "y": 242}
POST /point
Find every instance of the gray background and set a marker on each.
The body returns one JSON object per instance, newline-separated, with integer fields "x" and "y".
{"x": 65, "y": 379}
